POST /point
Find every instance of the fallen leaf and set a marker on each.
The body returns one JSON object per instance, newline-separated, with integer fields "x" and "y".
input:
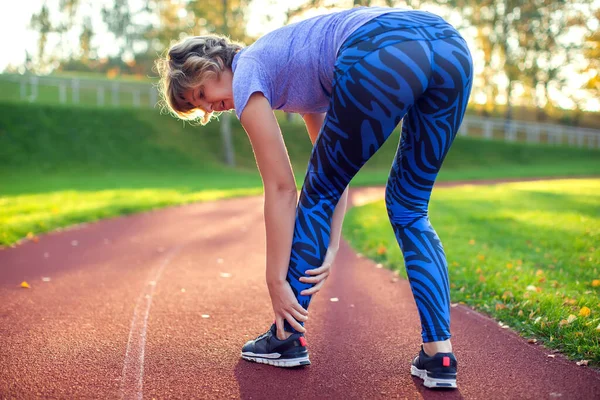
{"x": 381, "y": 250}
{"x": 480, "y": 257}
{"x": 584, "y": 312}
{"x": 46, "y": 279}
{"x": 551, "y": 355}
{"x": 472, "y": 241}
{"x": 532, "y": 341}
{"x": 531, "y": 288}
{"x": 500, "y": 306}
{"x": 334, "y": 299}
{"x": 582, "y": 362}
{"x": 205, "y": 316}
{"x": 509, "y": 265}
{"x": 507, "y": 294}
{"x": 569, "y": 301}
{"x": 571, "y": 318}
{"x": 378, "y": 265}
{"x": 596, "y": 282}
{"x": 225, "y": 275}
{"x": 25, "y": 285}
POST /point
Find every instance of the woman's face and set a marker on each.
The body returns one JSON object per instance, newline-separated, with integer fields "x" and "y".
{"x": 215, "y": 94}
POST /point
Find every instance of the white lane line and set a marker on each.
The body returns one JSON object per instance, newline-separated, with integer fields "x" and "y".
{"x": 133, "y": 368}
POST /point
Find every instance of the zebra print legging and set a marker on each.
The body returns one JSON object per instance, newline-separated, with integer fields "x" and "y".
{"x": 411, "y": 65}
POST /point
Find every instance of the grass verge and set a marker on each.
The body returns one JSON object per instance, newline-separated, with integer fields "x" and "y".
{"x": 525, "y": 254}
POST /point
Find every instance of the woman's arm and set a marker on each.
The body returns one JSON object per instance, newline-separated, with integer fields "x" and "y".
{"x": 278, "y": 181}
{"x": 314, "y": 122}
{"x": 280, "y": 205}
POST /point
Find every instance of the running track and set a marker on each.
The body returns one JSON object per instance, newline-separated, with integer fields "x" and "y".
{"x": 158, "y": 305}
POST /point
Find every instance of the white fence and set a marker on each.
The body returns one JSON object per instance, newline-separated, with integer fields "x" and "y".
{"x": 121, "y": 93}
{"x": 83, "y": 91}
{"x": 531, "y": 132}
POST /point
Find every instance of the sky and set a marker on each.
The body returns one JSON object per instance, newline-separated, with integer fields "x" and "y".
{"x": 15, "y": 20}
{"x": 13, "y": 24}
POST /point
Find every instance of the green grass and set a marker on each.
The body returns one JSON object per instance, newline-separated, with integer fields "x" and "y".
{"x": 526, "y": 254}
{"x": 61, "y": 165}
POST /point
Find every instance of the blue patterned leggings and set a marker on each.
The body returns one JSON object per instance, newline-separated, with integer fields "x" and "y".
{"x": 410, "y": 65}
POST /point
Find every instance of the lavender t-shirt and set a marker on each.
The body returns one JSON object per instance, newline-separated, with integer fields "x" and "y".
{"x": 293, "y": 66}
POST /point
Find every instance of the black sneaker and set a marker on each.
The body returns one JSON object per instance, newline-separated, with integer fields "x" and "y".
{"x": 267, "y": 349}
{"x": 438, "y": 371}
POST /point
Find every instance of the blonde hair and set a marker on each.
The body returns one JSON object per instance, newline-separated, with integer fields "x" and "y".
{"x": 189, "y": 63}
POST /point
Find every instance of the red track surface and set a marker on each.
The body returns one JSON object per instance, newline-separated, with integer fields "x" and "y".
{"x": 122, "y": 317}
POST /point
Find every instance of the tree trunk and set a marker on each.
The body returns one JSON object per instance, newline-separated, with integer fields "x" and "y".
{"x": 229, "y": 155}
{"x": 226, "y": 117}
{"x": 509, "y": 108}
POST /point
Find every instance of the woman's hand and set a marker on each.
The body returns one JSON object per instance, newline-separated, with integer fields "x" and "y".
{"x": 286, "y": 307}
{"x": 320, "y": 273}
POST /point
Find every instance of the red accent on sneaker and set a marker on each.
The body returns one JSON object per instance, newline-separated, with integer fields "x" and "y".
{"x": 446, "y": 361}
{"x": 302, "y": 341}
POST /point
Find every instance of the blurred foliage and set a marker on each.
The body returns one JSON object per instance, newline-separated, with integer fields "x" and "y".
{"x": 530, "y": 46}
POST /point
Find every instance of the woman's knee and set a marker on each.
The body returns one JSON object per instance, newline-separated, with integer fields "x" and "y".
{"x": 402, "y": 214}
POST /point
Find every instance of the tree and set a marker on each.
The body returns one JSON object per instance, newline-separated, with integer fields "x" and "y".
{"x": 85, "y": 40}
{"x": 119, "y": 21}
{"x": 592, "y": 54}
{"x": 41, "y": 23}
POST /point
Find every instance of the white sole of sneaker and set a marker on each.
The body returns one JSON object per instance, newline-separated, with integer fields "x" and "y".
{"x": 432, "y": 382}
{"x": 277, "y": 362}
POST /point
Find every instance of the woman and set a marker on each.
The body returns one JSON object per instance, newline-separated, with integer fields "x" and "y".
{"x": 353, "y": 76}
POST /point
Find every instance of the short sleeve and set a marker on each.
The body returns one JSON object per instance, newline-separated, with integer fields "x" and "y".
{"x": 249, "y": 77}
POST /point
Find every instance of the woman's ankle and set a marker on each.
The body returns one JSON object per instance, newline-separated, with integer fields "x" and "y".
{"x": 431, "y": 348}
